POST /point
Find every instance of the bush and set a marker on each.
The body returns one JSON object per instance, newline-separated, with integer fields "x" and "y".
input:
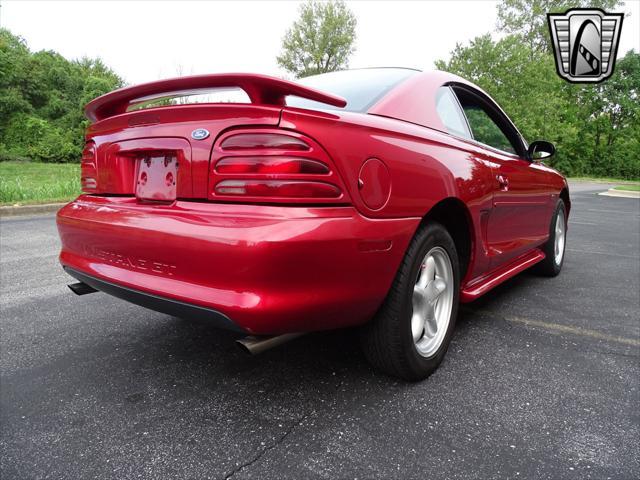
{"x": 42, "y": 96}
{"x": 39, "y": 140}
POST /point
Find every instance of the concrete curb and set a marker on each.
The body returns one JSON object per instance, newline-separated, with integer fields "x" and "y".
{"x": 20, "y": 210}
{"x": 620, "y": 193}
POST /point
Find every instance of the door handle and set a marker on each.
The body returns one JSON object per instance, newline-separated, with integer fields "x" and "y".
{"x": 503, "y": 182}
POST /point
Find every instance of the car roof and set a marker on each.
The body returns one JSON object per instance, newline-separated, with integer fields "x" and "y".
{"x": 411, "y": 99}
{"x": 414, "y": 99}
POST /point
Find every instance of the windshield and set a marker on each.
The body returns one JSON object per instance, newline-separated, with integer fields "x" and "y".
{"x": 360, "y": 88}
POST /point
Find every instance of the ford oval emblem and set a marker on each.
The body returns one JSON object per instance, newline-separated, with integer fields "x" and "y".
{"x": 200, "y": 134}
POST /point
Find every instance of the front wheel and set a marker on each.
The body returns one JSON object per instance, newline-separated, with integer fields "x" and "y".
{"x": 410, "y": 334}
{"x": 555, "y": 246}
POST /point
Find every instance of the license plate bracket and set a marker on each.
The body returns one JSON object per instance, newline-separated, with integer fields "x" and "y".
{"x": 156, "y": 178}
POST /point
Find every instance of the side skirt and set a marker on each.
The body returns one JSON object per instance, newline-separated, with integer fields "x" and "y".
{"x": 479, "y": 287}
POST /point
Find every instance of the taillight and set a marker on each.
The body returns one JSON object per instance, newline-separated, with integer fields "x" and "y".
{"x": 273, "y": 166}
{"x": 88, "y": 184}
{"x": 88, "y": 169}
{"x": 276, "y": 188}
{"x": 252, "y": 141}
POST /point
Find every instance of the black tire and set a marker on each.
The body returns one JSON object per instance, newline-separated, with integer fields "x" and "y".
{"x": 549, "y": 267}
{"x": 387, "y": 340}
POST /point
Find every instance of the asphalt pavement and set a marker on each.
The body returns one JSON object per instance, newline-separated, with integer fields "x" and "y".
{"x": 541, "y": 380}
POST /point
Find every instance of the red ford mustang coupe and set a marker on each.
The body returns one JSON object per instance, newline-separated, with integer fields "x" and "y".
{"x": 378, "y": 198}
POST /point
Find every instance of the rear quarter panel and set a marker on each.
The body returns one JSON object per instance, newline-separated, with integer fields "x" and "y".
{"x": 426, "y": 166}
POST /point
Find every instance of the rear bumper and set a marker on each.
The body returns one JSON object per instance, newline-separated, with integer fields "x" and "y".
{"x": 154, "y": 302}
{"x": 266, "y": 269}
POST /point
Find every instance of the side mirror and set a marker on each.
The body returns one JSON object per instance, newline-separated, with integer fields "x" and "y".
{"x": 540, "y": 149}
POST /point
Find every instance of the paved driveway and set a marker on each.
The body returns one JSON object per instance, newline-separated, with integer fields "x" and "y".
{"x": 541, "y": 380}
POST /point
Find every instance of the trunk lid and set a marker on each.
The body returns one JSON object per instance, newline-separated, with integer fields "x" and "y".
{"x": 122, "y": 150}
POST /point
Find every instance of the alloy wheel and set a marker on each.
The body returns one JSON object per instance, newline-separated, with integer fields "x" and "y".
{"x": 560, "y": 238}
{"x": 432, "y": 301}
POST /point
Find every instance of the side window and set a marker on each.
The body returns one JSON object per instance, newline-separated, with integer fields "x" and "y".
{"x": 449, "y": 112}
{"x": 485, "y": 126}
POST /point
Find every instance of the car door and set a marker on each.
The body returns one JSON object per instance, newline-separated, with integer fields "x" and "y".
{"x": 518, "y": 219}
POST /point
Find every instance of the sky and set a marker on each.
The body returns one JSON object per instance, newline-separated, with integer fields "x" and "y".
{"x": 144, "y": 41}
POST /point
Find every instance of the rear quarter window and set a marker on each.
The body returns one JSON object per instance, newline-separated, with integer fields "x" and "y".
{"x": 450, "y": 113}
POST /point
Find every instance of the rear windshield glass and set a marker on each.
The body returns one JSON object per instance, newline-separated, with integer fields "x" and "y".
{"x": 360, "y": 88}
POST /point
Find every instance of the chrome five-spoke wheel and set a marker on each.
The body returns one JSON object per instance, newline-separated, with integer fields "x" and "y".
{"x": 554, "y": 248}
{"x": 559, "y": 240}
{"x": 432, "y": 301}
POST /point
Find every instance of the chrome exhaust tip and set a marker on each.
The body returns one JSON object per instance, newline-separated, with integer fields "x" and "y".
{"x": 255, "y": 345}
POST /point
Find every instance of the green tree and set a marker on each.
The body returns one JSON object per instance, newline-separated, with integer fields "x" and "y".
{"x": 610, "y": 121}
{"x": 596, "y": 128}
{"x": 528, "y": 18}
{"x": 42, "y": 96}
{"x": 321, "y": 40}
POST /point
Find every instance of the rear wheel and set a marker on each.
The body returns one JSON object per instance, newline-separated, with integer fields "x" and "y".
{"x": 410, "y": 334}
{"x": 554, "y": 248}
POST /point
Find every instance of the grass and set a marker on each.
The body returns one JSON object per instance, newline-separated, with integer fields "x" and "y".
{"x": 628, "y": 188}
{"x": 31, "y": 183}
{"x": 604, "y": 180}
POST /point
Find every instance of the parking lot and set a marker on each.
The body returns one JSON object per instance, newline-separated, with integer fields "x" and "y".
{"x": 541, "y": 380}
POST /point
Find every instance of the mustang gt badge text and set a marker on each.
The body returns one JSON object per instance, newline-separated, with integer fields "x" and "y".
{"x": 585, "y": 43}
{"x": 135, "y": 263}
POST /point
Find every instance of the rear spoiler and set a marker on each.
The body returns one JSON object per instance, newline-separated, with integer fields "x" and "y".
{"x": 261, "y": 89}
